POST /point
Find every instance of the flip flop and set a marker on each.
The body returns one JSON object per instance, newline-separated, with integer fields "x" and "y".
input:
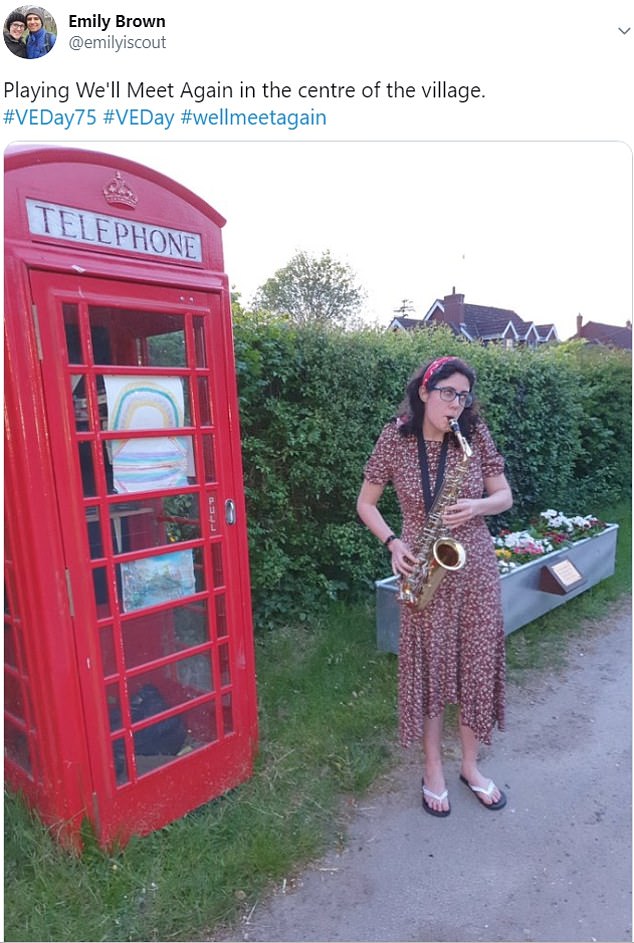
{"x": 439, "y": 813}
{"x": 492, "y": 806}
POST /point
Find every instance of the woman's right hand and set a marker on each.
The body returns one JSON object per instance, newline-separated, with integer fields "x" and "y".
{"x": 403, "y": 560}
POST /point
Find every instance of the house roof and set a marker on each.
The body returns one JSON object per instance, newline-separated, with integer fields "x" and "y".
{"x": 484, "y": 322}
{"x": 609, "y": 334}
{"x": 405, "y": 324}
{"x": 545, "y": 330}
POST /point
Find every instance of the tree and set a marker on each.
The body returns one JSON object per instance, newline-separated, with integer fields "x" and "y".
{"x": 313, "y": 290}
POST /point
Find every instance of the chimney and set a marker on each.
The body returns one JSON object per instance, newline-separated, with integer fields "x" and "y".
{"x": 454, "y": 308}
{"x": 579, "y": 320}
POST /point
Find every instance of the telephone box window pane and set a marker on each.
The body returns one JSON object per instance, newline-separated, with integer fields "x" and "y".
{"x": 115, "y": 718}
{"x": 13, "y": 701}
{"x": 151, "y": 581}
{"x": 160, "y": 689}
{"x": 195, "y": 675}
{"x": 120, "y": 761}
{"x": 108, "y": 658}
{"x": 100, "y": 344}
{"x": 200, "y": 727}
{"x": 115, "y": 721}
{"x": 148, "y": 638}
{"x": 216, "y": 560}
{"x": 199, "y": 343}
{"x": 87, "y": 466}
{"x": 9, "y": 646}
{"x": 151, "y": 464}
{"x": 84, "y": 419}
{"x": 80, "y": 402}
{"x": 224, "y": 665}
{"x": 209, "y": 459}
{"x": 93, "y": 526}
{"x": 164, "y": 738}
{"x": 155, "y": 522}
{"x": 167, "y": 350}
{"x": 16, "y": 746}
{"x": 138, "y": 338}
{"x": 158, "y": 635}
{"x": 181, "y": 517}
{"x": 191, "y": 625}
{"x": 199, "y": 570}
{"x": 227, "y": 714}
{"x": 145, "y": 401}
{"x": 204, "y": 401}
{"x": 102, "y": 597}
{"x": 131, "y": 524}
{"x": 221, "y": 616}
{"x": 73, "y": 336}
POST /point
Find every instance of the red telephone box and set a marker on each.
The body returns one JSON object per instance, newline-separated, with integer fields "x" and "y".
{"x": 129, "y": 668}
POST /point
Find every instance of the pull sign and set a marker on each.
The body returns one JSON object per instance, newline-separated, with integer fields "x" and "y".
{"x": 230, "y": 511}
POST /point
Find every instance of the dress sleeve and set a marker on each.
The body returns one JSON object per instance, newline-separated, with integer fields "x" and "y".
{"x": 492, "y": 462}
{"x": 378, "y": 468}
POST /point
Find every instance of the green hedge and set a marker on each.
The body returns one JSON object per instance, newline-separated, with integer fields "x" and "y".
{"x": 313, "y": 401}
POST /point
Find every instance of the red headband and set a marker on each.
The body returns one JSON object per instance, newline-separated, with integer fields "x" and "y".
{"x": 434, "y": 365}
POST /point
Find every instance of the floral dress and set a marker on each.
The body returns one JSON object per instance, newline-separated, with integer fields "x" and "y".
{"x": 452, "y": 651}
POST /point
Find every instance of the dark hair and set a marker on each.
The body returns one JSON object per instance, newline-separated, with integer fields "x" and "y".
{"x": 412, "y": 409}
{"x": 15, "y": 17}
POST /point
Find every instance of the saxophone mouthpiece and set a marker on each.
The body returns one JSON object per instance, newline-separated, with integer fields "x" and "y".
{"x": 464, "y": 445}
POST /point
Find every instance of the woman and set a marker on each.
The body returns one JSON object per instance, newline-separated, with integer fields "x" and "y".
{"x": 452, "y": 651}
{"x": 13, "y": 31}
{"x": 39, "y": 41}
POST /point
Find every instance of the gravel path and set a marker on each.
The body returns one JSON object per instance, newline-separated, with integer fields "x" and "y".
{"x": 554, "y": 865}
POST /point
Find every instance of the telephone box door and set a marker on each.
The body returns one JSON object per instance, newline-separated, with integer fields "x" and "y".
{"x": 142, "y": 417}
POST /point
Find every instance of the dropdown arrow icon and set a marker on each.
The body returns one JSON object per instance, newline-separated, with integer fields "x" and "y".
{"x": 624, "y": 31}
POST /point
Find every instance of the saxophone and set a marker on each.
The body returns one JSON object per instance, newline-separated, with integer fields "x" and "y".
{"x": 437, "y": 552}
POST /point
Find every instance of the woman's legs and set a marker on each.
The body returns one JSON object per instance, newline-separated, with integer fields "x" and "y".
{"x": 432, "y": 766}
{"x": 469, "y": 769}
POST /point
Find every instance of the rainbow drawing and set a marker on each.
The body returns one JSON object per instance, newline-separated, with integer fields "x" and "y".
{"x": 142, "y": 403}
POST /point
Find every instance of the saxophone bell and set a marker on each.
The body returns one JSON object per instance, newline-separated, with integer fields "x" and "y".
{"x": 449, "y": 554}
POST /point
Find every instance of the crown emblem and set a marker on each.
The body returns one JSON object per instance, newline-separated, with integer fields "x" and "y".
{"x": 118, "y": 193}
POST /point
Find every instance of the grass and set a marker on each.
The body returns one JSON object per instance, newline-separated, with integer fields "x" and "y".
{"x": 327, "y": 720}
{"x": 327, "y": 724}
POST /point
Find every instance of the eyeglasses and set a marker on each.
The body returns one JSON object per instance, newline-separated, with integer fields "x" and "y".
{"x": 448, "y": 395}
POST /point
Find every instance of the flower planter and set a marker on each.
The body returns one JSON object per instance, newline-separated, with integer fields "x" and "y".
{"x": 523, "y": 598}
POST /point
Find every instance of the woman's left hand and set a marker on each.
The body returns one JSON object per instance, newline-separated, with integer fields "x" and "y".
{"x": 462, "y": 511}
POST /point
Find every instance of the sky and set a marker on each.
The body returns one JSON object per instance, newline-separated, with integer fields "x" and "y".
{"x": 542, "y": 228}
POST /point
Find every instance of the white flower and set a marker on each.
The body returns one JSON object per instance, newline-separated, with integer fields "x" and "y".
{"x": 558, "y": 521}
{"x": 527, "y": 542}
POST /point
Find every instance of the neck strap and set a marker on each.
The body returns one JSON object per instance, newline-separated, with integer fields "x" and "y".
{"x": 428, "y": 495}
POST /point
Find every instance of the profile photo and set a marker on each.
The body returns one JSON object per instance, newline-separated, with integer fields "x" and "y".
{"x": 30, "y": 32}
